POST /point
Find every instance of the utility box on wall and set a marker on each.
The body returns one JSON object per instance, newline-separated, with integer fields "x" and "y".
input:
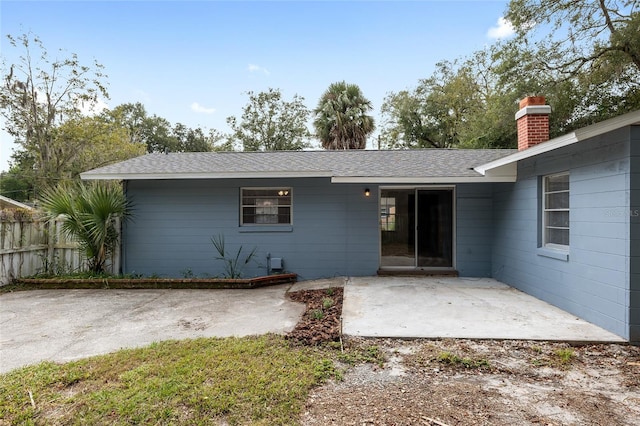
{"x": 276, "y": 264}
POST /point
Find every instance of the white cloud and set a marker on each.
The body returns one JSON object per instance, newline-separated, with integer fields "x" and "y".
{"x": 503, "y": 29}
{"x": 91, "y": 109}
{"x": 199, "y": 108}
{"x": 257, "y": 68}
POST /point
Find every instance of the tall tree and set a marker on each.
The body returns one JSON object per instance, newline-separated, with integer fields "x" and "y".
{"x": 341, "y": 117}
{"x": 89, "y": 142}
{"x": 196, "y": 140}
{"x": 13, "y": 184}
{"x": 79, "y": 144}
{"x": 152, "y": 131}
{"x": 490, "y": 121}
{"x": 158, "y": 135}
{"x": 220, "y": 141}
{"x": 587, "y": 50}
{"x": 38, "y": 93}
{"x": 269, "y": 123}
{"x": 132, "y": 117}
{"x": 579, "y": 34}
{"x": 470, "y": 103}
{"x": 435, "y": 114}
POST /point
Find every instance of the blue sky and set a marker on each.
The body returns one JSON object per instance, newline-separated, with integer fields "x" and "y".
{"x": 193, "y": 61}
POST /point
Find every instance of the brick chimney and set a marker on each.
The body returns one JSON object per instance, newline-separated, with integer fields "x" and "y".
{"x": 533, "y": 122}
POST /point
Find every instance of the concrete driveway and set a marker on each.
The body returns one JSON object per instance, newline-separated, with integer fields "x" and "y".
{"x": 62, "y": 325}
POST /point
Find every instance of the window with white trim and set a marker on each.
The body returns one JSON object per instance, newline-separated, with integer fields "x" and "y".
{"x": 555, "y": 211}
{"x": 265, "y": 206}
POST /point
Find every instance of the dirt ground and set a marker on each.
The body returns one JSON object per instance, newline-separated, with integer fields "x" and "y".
{"x": 471, "y": 382}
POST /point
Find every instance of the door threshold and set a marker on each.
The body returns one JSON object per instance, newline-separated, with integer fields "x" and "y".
{"x": 418, "y": 272}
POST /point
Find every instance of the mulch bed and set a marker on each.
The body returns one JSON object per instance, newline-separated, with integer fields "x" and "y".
{"x": 322, "y": 320}
{"x": 148, "y": 283}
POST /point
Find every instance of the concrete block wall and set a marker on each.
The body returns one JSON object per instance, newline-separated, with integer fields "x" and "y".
{"x": 334, "y": 230}
{"x": 591, "y": 281}
{"x": 474, "y": 229}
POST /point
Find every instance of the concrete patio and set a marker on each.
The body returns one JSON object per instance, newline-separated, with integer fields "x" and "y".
{"x": 474, "y": 308}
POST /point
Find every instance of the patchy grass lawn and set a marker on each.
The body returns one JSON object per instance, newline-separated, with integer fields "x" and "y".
{"x": 251, "y": 380}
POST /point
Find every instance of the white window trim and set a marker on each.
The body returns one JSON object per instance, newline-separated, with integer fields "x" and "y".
{"x": 545, "y": 244}
{"x": 266, "y": 188}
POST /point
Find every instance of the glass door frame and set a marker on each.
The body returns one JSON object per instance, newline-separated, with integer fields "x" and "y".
{"x": 415, "y": 189}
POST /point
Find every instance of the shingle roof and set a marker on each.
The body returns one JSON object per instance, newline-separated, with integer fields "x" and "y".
{"x": 354, "y": 165}
{"x": 8, "y": 203}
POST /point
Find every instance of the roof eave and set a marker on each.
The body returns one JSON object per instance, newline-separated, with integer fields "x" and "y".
{"x": 629, "y": 119}
{"x": 420, "y": 180}
{"x": 527, "y": 153}
{"x": 334, "y": 179}
{"x": 15, "y": 204}
{"x": 207, "y": 175}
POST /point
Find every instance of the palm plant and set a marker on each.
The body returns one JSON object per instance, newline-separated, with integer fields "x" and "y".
{"x": 341, "y": 117}
{"x": 90, "y": 216}
{"x": 233, "y": 263}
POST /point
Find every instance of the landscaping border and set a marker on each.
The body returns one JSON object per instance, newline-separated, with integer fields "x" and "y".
{"x": 148, "y": 283}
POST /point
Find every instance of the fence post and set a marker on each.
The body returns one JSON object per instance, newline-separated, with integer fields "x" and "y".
{"x": 51, "y": 243}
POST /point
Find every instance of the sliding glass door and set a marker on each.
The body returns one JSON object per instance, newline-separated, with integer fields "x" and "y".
{"x": 397, "y": 227}
{"x": 416, "y": 228}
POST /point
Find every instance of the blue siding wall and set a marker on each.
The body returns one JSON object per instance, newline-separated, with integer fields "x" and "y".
{"x": 474, "y": 231}
{"x": 334, "y": 232}
{"x": 634, "y": 290}
{"x": 593, "y": 282}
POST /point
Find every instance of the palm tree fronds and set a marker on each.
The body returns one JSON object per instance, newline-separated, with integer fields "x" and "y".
{"x": 90, "y": 215}
{"x": 341, "y": 117}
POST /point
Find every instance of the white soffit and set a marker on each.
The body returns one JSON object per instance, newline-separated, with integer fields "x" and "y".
{"x": 629, "y": 119}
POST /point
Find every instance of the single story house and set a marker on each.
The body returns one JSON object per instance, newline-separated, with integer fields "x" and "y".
{"x": 558, "y": 219}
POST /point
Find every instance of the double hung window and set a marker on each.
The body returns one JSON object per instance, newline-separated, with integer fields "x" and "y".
{"x": 265, "y": 206}
{"x": 555, "y": 211}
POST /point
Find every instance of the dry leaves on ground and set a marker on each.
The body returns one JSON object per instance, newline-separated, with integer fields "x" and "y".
{"x": 469, "y": 382}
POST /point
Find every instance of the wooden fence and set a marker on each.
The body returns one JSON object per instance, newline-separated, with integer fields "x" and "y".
{"x": 34, "y": 246}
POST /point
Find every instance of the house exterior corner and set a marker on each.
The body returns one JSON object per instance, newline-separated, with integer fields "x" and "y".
{"x": 596, "y": 274}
